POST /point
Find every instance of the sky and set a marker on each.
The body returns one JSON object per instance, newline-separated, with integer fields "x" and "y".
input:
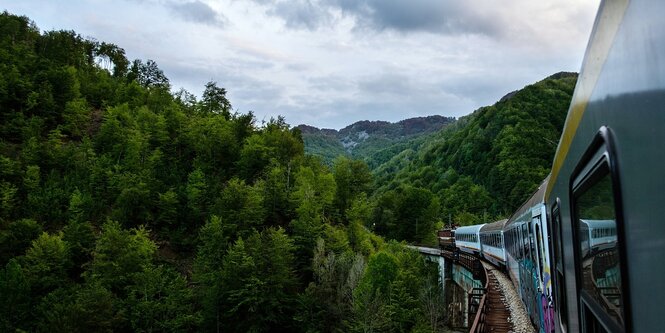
{"x": 330, "y": 63}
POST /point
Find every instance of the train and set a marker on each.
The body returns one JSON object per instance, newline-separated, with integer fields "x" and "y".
{"x": 586, "y": 252}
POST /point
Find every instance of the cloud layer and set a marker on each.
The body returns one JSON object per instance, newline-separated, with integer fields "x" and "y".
{"x": 329, "y": 63}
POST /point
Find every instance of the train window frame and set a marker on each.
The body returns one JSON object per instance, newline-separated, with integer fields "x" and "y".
{"x": 599, "y": 161}
{"x": 538, "y": 240}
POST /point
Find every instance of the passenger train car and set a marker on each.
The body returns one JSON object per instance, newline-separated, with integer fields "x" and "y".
{"x": 596, "y": 235}
{"x": 491, "y": 241}
{"x": 587, "y": 251}
{"x": 528, "y": 258}
{"x": 467, "y": 239}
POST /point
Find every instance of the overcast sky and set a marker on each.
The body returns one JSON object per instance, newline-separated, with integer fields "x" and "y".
{"x": 329, "y": 63}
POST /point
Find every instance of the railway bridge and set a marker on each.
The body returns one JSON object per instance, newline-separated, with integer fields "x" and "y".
{"x": 477, "y": 286}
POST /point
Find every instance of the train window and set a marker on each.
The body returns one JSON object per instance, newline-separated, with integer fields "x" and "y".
{"x": 598, "y": 262}
{"x": 532, "y": 247}
{"x": 522, "y": 241}
{"x": 517, "y": 243}
{"x": 525, "y": 241}
{"x": 539, "y": 244}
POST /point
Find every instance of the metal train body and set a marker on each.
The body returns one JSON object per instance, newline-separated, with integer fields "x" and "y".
{"x": 467, "y": 239}
{"x": 587, "y": 251}
{"x": 446, "y": 238}
{"x": 609, "y": 167}
{"x": 528, "y": 259}
{"x": 491, "y": 241}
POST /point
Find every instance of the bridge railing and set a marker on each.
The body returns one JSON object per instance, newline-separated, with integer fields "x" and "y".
{"x": 477, "y": 296}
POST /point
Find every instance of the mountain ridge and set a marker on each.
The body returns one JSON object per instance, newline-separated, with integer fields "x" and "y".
{"x": 365, "y": 138}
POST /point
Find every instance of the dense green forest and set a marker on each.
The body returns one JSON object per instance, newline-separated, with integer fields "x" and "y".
{"x": 477, "y": 169}
{"x": 485, "y": 165}
{"x": 127, "y": 207}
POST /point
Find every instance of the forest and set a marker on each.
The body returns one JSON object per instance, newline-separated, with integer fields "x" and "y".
{"x": 485, "y": 165}
{"x": 128, "y": 205}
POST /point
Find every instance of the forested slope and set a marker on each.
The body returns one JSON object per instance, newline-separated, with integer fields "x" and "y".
{"x": 374, "y": 142}
{"x": 126, "y": 207}
{"x": 483, "y": 166}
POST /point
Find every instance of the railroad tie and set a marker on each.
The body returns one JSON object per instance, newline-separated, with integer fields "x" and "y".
{"x": 497, "y": 312}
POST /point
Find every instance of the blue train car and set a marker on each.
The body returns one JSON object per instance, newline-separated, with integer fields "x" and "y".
{"x": 467, "y": 239}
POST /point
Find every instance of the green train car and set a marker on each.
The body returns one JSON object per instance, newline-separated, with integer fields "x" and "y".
{"x": 606, "y": 195}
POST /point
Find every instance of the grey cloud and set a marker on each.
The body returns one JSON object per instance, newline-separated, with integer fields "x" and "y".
{"x": 434, "y": 16}
{"x": 301, "y": 14}
{"x": 197, "y": 12}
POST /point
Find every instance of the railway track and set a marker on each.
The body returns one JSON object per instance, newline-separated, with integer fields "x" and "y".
{"x": 497, "y": 311}
{"x": 497, "y": 306}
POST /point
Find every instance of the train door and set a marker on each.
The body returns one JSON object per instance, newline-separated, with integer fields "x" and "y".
{"x": 532, "y": 272}
{"x": 527, "y": 271}
{"x": 543, "y": 297}
{"x": 560, "y": 299}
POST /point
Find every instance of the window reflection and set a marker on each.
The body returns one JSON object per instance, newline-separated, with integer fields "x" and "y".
{"x": 597, "y": 236}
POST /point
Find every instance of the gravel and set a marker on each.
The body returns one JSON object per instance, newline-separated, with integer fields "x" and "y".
{"x": 518, "y": 315}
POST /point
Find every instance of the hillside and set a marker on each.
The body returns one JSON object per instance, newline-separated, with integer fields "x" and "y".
{"x": 488, "y": 162}
{"x": 125, "y": 207}
{"x": 375, "y": 142}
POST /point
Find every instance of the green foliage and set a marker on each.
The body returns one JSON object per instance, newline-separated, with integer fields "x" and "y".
{"x": 396, "y": 293}
{"x": 207, "y": 270}
{"x": 252, "y": 301}
{"x": 95, "y": 149}
{"x": 241, "y": 207}
{"x": 159, "y": 300}
{"x": 407, "y": 213}
{"x": 119, "y": 254}
{"x": 16, "y": 305}
{"x": 87, "y": 308}
{"x": 326, "y": 304}
{"x": 353, "y": 179}
{"x": 486, "y": 164}
{"x": 45, "y": 263}
{"x": 17, "y": 238}
{"x": 215, "y": 101}
{"x": 374, "y": 142}
{"x": 80, "y": 240}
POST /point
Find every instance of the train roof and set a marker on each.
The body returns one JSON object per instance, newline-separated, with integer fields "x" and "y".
{"x": 494, "y": 226}
{"x": 470, "y": 229}
{"x": 537, "y": 197}
{"x": 599, "y": 223}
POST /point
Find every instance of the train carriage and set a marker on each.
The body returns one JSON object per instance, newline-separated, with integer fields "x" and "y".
{"x": 528, "y": 258}
{"x": 446, "y": 239}
{"x": 491, "y": 241}
{"x": 467, "y": 239}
